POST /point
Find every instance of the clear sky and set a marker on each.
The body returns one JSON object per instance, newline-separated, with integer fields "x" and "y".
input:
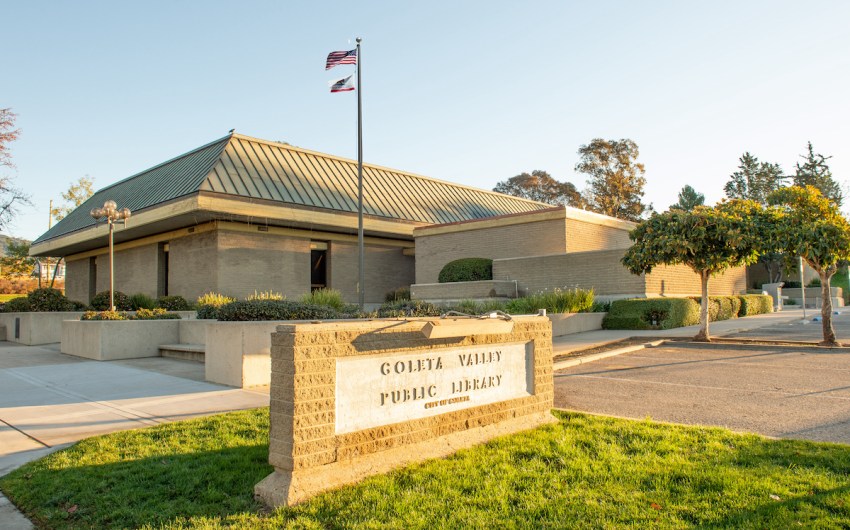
{"x": 472, "y": 92}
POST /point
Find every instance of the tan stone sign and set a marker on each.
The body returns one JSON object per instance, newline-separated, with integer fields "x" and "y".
{"x": 355, "y": 398}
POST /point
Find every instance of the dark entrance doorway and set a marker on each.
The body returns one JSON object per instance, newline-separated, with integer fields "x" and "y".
{"x": 318, "y": 265}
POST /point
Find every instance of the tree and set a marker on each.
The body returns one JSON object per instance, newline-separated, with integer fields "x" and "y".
{"x": 754, "y": 180}
{"x": 810, "y": 226}
{"x": 689, "y": 199}
{"x": 708, "y": 240}
{"x": 17, "y": 261}
{"x": 76, "y": 195}
{"x": 540, "y": 186}
{"x": 615, "y": 177}
{"x": 815, "y": 172}
{"x": 10, "y": 196}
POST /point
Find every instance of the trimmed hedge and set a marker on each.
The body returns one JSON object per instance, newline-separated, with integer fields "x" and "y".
{"x": 639, "y": 313}
{"x": 100, "y": 302}
{"x": 42, "y": 300}
{"x": 141, "y": 314}
{"x": 755, "y": 304}
{"x": 467, "y": 270}
{"x": 254, "y": 310}
{"x": 173, "y": 303}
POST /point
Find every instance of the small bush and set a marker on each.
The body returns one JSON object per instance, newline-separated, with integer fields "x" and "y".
{"x": 755, "y": 304}
{"x": 557, "y": 301}
{"x": 814, "y": 283}
{"x": 792, "y": 285}
{"x": 467, "y": 270}
{"x": 255, "y": 310}
{"x": 173, "y": 303}
{"x": 17, "y": 305}
{"x": 409, "y": 308}
{"x": 208, "y": 305}
{"x": 100, "y": 302}
{"x": 265, "y": 295}
{"x": 640, "y": 313}
{"x": 790, "y": 301}
{"x": 154, "y": 314}
{"x": 104, "y": 315}
{"x": 325, "y": 297}
{"x": 402, "y": 293}
{"x": 141, "y": 301}
{"x": 47, "y": 299}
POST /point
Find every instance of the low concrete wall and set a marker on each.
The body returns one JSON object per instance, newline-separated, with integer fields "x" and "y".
{"x": 239, "y": 353}
{"x": 464, "y": 290}
{"x": 193, "y": 331}
{"x": 36, "y": 328}
{"x": 569, "y": 323}
{"x": 107, "y": 340}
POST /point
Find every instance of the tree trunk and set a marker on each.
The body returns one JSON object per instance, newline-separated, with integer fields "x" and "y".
{"x": 826, "y": 310}
{"x": 702, "y": 336}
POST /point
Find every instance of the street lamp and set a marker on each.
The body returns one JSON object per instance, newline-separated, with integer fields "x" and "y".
{"x": 113, "y": 214}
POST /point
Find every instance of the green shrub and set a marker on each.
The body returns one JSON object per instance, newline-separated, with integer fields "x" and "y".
{"x": 141, "y": 314}
{"x": 327, "y": 298}
{"x": 816, "y": 283}
{"x": 104, "y": 315}
{"x": 755, "y": 304}
{"x": 410, "y": 308}
{"x": 47, "y": 299}
{"x": 402, "y": 293}
{"x": 467, "y": 270}
{"x": 652, "y": 313}
{"x": 100, "y": 302}
{"x": 17, "y": 305}
{"x": 208, "y": 305}
{"x": 254, "y": 310}
{"x": 790, "y": 301}
{"x": 265, "y": 295}
{"x": 557, "y": 301}
{"x": 141, "y": 301}
{"x": 173, "y": 303}
{"x": 154, "y": 314}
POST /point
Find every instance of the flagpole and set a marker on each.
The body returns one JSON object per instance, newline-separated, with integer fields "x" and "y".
{"x": 362, "y": 274}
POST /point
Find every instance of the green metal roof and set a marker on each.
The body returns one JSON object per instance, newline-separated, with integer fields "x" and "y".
{"x": 248, "y": 167}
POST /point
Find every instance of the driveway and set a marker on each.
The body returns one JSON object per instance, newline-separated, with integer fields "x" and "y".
{"x": 794, "y": 392}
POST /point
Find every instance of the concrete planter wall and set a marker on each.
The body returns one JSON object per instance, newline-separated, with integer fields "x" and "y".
{"x": 36, "y": 328}
{"x": 108, "y": 340}
{"x": 239, "y": 353}
{"x": 569, "y": 323}
{"x": 463, "y": 290}
{"x": 193, "y": 331}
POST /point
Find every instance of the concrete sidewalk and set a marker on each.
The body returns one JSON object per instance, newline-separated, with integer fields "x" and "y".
{"x": 49, "y": 400}
{"x": 592, "y": 339}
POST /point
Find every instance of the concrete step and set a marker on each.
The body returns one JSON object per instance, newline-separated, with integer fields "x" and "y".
{"x": 187, "y": 352}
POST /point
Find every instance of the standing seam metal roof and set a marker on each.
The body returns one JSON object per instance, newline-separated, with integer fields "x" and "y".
{"x": 249, "y": 167}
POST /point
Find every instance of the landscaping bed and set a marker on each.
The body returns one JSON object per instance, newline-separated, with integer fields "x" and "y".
{"x": 584, "y": 470}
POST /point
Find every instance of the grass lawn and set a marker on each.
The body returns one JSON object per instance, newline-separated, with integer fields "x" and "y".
{"x": 7, "y": 297}
{"x": 584, "y": 471}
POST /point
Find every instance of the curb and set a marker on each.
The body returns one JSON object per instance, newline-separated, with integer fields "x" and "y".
{"x": 560, "y": 365}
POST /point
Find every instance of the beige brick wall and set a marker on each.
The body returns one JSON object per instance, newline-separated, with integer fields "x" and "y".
{"x": 526, "y": 239}
{"x": 262, "y": 262}
{"x": 77, "y": 280}
{"x": 602, "y": 271}
{"x": 135, "y": 270}
{"x": 303, "y": 385}
{"x": 193, "y": 265}
{"x": 386, "y": 268}
{"x": 584, "y": 236}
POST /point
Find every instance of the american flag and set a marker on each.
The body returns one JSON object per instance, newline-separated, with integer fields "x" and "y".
{"x": 342, "y": 85}
{"x": 335, "y": 58}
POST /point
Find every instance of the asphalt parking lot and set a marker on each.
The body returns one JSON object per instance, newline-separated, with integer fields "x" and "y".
{"x": 785, "y": 392}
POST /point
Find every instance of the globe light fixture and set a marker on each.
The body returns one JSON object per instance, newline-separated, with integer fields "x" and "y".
{"x": 112, "y": 214}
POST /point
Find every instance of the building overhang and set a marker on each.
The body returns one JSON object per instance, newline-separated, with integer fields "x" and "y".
{"x": 203, "y": 207}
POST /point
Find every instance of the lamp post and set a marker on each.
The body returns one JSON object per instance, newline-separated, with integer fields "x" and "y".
{"x": 113, "y": 214}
